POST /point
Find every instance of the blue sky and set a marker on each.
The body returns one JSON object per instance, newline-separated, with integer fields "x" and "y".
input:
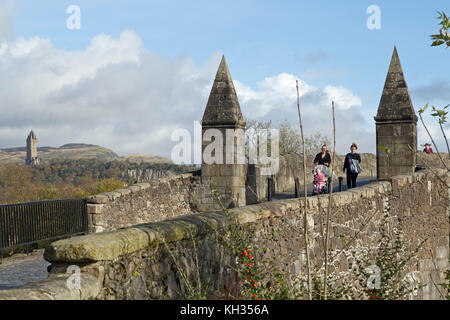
{"x": 260, "y": 38}
{"x": 324, "y": 43}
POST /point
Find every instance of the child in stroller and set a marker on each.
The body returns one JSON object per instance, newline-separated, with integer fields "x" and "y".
{"x": 320, "y": 178}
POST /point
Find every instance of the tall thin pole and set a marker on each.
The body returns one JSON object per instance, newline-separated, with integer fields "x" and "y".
{"x": 305, "y": 190}
{"x": 432, "y": 140}
{"x": 330, "y": 203}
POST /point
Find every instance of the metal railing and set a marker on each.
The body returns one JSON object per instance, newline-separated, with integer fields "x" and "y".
{"x": 33, "y": 222}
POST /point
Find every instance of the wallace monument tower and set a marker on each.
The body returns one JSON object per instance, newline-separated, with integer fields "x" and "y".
{"x": 32, "y": 156}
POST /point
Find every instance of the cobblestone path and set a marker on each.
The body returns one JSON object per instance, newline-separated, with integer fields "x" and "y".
{"x": 20, "y": 269}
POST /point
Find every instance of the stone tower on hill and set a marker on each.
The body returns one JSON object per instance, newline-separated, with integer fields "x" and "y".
{"x": 32, "y": 156}
{"x": 396, "y": 125}
{"x": 223, "y": 154}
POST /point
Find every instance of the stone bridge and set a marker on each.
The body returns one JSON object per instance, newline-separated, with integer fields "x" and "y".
{"x": 136, "y": 262}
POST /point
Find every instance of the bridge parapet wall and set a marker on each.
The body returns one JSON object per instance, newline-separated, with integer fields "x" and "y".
{"x": 152, "y": 201}
{"x": 134, "y": 263}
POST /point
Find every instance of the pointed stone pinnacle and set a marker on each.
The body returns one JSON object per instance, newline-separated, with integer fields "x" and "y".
{"x": 223, "y": 107}
{"x": 395, "y": 103}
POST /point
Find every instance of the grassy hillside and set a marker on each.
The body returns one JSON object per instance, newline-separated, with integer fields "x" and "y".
{"x": 75, "y": 151}
{"x": 67, "y": 151}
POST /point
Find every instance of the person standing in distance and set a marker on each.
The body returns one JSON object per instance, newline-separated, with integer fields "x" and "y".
{"x": 352, "y": 174}
{"x": 428, "y": 148}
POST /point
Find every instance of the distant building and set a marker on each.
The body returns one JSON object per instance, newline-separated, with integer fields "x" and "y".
{"x": 32, "y": 156}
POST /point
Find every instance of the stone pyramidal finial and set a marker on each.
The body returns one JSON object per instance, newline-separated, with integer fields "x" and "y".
{"x": 221, "y": 161}
{"x": 223, "y": 107}
{"x": 395, "y": 103}
{"x": 396, "y": 126}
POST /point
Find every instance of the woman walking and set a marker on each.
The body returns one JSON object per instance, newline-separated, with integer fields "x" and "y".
{"x": 351, "y": 164}
{"x": 323, "y": 157}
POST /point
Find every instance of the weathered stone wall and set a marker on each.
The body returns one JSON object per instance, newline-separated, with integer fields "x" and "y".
{"x": 395, "y": 144}
{"x": 144, "y": 202}
{"x": 134, "y": 263}
{"x": 174, "y": 196}
{"x": 432, "y": 160}
{"x": 146, "y": 175}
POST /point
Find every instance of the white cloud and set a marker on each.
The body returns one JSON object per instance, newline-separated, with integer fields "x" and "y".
{"x": 343, "y": 98}
{"x": 117, "y": 94}
{"x": 275, "y": 98}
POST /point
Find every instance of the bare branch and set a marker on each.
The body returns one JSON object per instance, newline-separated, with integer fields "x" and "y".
{"x": 308, "y": 262}
{"x": 330, "y": 203}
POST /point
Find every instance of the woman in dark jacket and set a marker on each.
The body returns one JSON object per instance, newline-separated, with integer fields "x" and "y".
{"x": 351, "y": 176}
{"x": 323, "y": 157}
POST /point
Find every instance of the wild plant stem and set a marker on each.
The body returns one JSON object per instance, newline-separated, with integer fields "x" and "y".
{"x": 308, "y": 263}
{"x": 180, "y": 270}
{"x": 330, "y": 203}
{"x": 432, "y": 140}
{"x": 445, "y": 137}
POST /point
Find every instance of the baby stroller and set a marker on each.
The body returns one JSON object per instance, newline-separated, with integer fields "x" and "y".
{"x": 321, "y": 178}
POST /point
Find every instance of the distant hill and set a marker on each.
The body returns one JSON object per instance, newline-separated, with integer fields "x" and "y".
{"x": 67, "y": 151}
{"x": 145, "y": 158}
{"x": 75, "y": 151}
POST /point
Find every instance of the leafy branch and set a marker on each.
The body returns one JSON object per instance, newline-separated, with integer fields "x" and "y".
{"x": 443, "y": 36}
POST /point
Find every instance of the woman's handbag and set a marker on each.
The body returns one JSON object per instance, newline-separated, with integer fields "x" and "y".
{"x": 355, "y": 167}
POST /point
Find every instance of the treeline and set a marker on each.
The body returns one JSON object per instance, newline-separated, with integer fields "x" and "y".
{"x": 70, "y": 178}
{"x": 77, "y": 171}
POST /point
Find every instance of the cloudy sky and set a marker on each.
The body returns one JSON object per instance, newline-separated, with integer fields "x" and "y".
{"x": 137, "y": 70}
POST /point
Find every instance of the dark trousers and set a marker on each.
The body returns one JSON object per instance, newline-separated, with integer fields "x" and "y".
{"x": 351, "y": 179}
